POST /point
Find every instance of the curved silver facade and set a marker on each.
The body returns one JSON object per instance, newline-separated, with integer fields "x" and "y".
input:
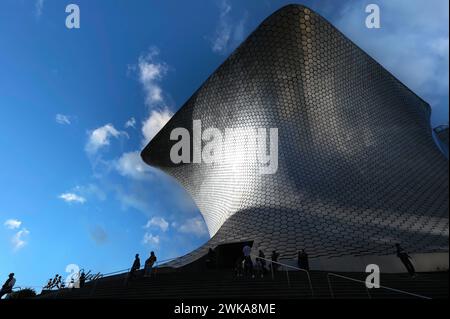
{"x": 358, "y": 169}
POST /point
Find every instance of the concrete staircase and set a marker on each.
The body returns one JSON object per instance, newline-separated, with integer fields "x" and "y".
{"x": 223, "y": 284}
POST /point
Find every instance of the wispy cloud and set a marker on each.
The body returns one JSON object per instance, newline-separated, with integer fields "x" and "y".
{"x": 130, "y": 123}
{"x": 62, "y": 119}
{"x": 229, "y": 31}
{"x": 38, "y": 8}
{"x": 72, "y": 198}
{"x": 18, "y": 240}
{"x": 150, "y": 72}
{"x": 150, "y": 239}
{"x": 131, "y": 165}
{"x": 195, "y": 226}
{"x": 158, "y": 222}
{"x": 101, "y": 137}
{"x": 154, "y": 123}
{"x": 12, "y": 223}
{"x": 412, "y": 43}
{"x": 90, "y": 190}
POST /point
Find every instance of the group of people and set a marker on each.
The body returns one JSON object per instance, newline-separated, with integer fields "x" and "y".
{"x": 148, "y": 266}
{"x": 245, "y": 267}
{"x": 56, "y": 282}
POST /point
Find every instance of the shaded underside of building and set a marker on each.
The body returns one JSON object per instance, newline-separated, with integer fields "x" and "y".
{"x": 358, "y": 170}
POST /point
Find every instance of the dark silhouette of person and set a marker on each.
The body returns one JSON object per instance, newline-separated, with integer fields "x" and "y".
{"x": 49, "y": 284}
{"x": 303, "y": 261}
{"x": 211, "y": 259}
{"x": 149, "y": 264}
{"x": 8, "y": 285}
{"x": 58, "y": 282}
{"x": 136, "y": 265}
{"x": 274, "y": 258}
{"x": 54, "y": 282}
{"x": 262, "y": 261}
{"x": 248, "y": 263}
{"x": 238, "y": 270}
{"x": 406, "y": 260}
{"x": 261, "y": 264}
{"x": 82, "y": 279}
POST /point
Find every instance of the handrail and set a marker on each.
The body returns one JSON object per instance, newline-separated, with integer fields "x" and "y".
{"x": 157, "y": 264}
{"x": 360, "y": 281}
{"x": 289, "y": 266}
{"x": 117, "y": 272}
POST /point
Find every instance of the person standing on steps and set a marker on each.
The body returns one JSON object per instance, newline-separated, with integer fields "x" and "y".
{"x": 262, "y": 261}
{"x": 274, "y": 258}
{"x": 303, "y": 262}
{"x": 136, "y": 265}
{"x": 211, "y": 260}
{"x": 248, "y": 263}
{"x": 82, "y": 279}
{"x": 149, "y": 264}
{"x": 406, "y": 260}
{"x": 8, "y": 285}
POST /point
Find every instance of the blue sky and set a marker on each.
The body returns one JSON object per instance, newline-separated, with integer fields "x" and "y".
{"x": 77, "y": 106}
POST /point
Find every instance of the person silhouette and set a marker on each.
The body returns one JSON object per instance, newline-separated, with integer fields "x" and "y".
{"x": 149, "y": 264}
{"x": 82, "y": 279}
{"x": 8, "y": 285}
{"x": 136, "y": 265}
{"x": 49, "y": 284}
{"x": 260, "y": 264}
{"x": 211, "y": 260}
{"x": 406, "y": 260}
{"x": 303, "y": 262}
{"x": 58, "y": 282}
{"x": 54, "y": 282}
{"x": 274, "y": 258}
{"x": 248, "y": 263}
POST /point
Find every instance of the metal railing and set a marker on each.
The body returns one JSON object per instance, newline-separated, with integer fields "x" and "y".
{"x": 271, "y": 262}
{"x": 157, "y": 265}
{"x": 367, "y": 289}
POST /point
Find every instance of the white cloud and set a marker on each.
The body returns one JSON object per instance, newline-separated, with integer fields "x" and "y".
{"x": 130, "y": 123}
{"x": 12, "y": 223}
{"x": 149, "y": 239}
{"x": 38, "y": 8}
{"x": 62, "y": 119}
{"x": 158, "y": 222}
{"x": 101, "y": 136}
{"x": 195, "y": 226}
{"x": 412, "y": 43}
{"x": 18, "y": 240}
{"x": 150, "y": 73}
{"x": 229, "y": 32}
{"x": 72, "y": 197}
{"x": 154, "y": 123}
{"x": 131, "y": 165}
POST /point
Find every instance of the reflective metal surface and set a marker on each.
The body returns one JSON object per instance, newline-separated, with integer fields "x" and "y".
{"x": 358, "y": 168}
